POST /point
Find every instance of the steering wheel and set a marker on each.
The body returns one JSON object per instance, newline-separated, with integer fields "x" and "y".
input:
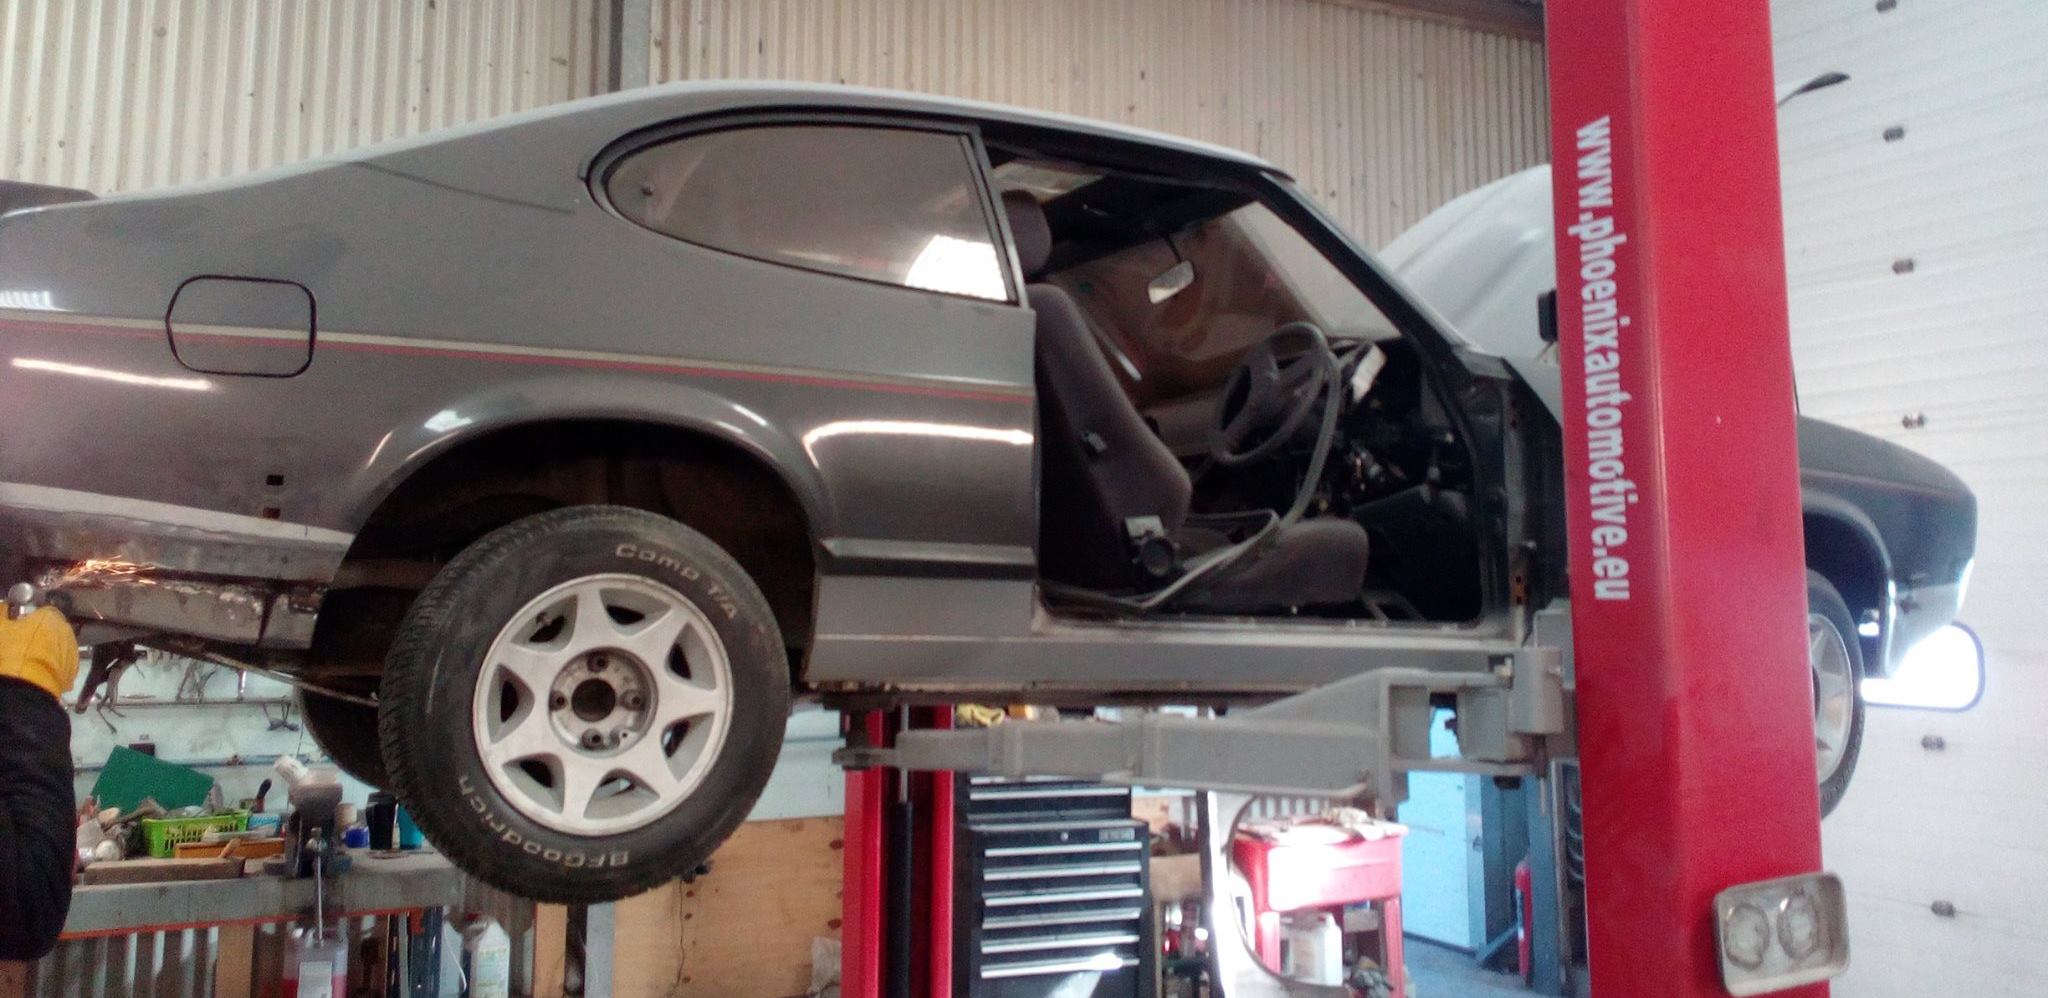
{"x": 1265, "y": 387}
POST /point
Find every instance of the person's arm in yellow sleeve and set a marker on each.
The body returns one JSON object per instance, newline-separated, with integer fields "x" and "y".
{"x": 38, "y": 817}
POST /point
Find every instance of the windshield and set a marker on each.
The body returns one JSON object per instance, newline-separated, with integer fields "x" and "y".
{"x": 1390, "y": 264}
{"x": 1325, "y": 296}
{"x": 1249, "y": 274}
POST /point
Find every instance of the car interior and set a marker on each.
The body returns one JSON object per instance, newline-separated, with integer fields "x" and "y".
{"x": 1229, "y": 426}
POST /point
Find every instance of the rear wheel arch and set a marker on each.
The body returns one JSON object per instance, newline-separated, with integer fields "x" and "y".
{"x": 724, "y": 488}
{"x": 1843, "y": 548}
{"x": 681, "y": 409}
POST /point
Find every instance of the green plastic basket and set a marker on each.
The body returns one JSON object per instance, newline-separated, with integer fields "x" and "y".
{"x": 161, "y": 835}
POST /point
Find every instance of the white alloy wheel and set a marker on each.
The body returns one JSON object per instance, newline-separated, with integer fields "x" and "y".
{"x": 601, "y": 704}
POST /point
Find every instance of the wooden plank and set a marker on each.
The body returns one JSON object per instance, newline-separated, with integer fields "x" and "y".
{"x": 14, "y": 978}
{"x": 550, "y": 940}
{"x": 1158, "y": 811}
{"x": 745, "y": 928}
{"x": 234, "y": 961}
{"x": 1176, "y": 878}
{"x": 155, "y": 871}
{"x": 239, "y": 848}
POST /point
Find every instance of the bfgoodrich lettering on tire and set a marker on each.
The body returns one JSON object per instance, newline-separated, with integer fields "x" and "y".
{"x": 584, "y": 704}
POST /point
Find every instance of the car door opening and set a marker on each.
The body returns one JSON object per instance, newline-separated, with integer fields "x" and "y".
{"x": 1228, "y": 425}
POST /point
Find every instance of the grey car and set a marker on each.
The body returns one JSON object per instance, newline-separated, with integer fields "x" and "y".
{"x": 553, "y": 456}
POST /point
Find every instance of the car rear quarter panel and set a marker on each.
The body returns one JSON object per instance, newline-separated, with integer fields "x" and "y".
{"x": 474, "y": 284}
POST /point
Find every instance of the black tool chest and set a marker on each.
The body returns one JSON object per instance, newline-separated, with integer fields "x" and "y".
{"x": 1054, "y": 891}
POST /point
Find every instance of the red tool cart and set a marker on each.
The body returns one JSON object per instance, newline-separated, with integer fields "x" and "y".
{"x": 1317, "y": 866}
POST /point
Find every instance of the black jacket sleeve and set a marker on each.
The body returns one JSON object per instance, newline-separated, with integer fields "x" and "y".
{"x": 38, "y": 820}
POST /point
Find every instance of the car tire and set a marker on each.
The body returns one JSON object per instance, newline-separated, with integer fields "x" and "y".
{"x": 547, "y": 732}
{"x": 1835, "y": 660}
{"x": 347, "y": 732}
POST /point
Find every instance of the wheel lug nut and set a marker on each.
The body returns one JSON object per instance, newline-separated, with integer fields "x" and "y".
{"x": 557, "y": 701}
{"x": 633, "y": 700}
{"x": 597, "y": 663}
{"x": 593, "y": 739}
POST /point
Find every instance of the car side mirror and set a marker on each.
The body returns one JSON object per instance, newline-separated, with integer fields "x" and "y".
{"x": 1175, "y": 280}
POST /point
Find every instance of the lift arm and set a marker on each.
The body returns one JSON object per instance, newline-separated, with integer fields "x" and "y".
{"x": 1357, "y": 738}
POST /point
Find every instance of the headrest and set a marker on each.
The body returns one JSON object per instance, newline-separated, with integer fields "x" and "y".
{"x": 1028, "y": 228}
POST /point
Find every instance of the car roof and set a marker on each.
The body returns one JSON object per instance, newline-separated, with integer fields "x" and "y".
{"x": 765, "y": 94}
{"x": 647, "y": 107}
{"x": 522, "y": 156}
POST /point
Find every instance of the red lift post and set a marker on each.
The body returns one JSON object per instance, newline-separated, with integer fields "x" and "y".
{"x": 877, "y": 873}
{"x": 864, "y": 879}
{"x": 1688, "y": 600}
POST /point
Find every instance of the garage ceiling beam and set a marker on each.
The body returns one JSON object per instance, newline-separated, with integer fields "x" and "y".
{"x": 1507, "y": 17}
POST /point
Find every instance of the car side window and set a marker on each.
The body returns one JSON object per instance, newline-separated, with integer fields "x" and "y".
{"x": 893, "y": 205}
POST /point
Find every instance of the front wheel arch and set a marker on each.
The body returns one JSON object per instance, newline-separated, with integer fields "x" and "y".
{"x": 1843, "y": 548}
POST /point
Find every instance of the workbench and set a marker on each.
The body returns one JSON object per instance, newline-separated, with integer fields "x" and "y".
{"x": 225, "y": 937}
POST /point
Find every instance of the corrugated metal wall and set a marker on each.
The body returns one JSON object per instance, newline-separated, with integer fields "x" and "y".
{"x": 115, "y": 95}
{"x": 1916, "y": 220}
{"x": 1383, "y": 116}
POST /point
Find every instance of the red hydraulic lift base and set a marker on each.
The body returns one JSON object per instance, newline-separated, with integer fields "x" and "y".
{"x": 865, "y": 876}
{"x": 896, "y": 902}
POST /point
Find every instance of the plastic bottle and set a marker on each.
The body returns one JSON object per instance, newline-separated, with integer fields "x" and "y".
{"x": 316, "y": 966}
{"x": 290, "y": 768}
{"x": 487, "y": 958}
{"x": 1315, "y": 948}
{"x": 296, "y": 775}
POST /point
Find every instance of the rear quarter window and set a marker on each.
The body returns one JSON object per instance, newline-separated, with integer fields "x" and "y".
{"x": 891, "y": 205}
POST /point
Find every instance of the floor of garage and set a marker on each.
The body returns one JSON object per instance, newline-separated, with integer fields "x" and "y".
{"x": 1441, "y": 972}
